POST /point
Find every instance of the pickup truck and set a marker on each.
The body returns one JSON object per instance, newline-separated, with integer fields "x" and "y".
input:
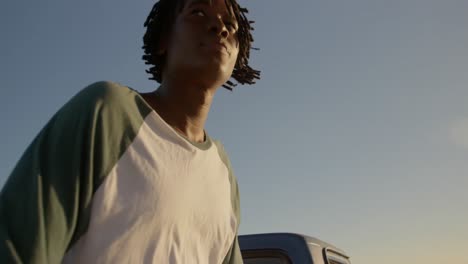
{"x": 289, "y": 248}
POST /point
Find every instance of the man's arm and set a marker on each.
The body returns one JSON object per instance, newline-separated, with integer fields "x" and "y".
{"x": 41, "y": 200}
{"x": 234, "y": 255}
{"x": 46, "y": 202}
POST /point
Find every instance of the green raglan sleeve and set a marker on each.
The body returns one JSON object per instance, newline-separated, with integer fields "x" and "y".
{"x": 45, "y": 203}
{"x": 234, "y": 255}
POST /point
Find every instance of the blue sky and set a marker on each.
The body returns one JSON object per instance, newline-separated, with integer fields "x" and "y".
{"x": 357, "y": 133}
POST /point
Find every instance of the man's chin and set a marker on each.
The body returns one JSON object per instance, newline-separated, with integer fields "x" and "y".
{"x": 214, "y": 72}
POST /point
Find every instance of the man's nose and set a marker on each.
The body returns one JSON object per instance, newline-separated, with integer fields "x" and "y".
{"x": 218, "y": 27}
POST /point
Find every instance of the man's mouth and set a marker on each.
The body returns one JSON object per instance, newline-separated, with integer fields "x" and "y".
{"x": 217, "y": 46}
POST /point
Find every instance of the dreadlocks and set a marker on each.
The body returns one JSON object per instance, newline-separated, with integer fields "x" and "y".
{"x": 159, "y": 22}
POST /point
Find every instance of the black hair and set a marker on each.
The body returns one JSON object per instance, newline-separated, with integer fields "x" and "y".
{"x": 159, "y": 23}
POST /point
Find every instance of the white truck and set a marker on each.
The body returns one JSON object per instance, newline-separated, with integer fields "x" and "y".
{"x": 289, "y": 248}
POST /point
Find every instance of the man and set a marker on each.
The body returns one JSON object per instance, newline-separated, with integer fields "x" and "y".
{"x": 122, "y": 177}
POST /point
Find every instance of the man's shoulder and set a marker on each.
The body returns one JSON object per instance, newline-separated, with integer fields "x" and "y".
{"x": 219, "y": 145}
{"x": 106, "y": 101}
{"x": 104, "y": 95}
{"x": 105, "y": 91}
{"x": 222, "y": 152}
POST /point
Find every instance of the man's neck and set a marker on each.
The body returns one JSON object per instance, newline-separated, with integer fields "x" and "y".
{"x": 185, "y": 109}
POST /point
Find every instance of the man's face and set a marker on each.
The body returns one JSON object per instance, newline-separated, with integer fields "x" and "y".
{"x": 203, "y": 42}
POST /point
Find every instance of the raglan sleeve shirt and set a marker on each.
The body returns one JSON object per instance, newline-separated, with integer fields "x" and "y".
{"x": 46, "y": 205}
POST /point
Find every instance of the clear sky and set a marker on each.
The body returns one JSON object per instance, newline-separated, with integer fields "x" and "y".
{"x": 357, "y": 133}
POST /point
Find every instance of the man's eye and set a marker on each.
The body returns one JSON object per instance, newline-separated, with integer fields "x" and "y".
{"x": 230, "y": 25}
{"x": 198, "y": 12}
